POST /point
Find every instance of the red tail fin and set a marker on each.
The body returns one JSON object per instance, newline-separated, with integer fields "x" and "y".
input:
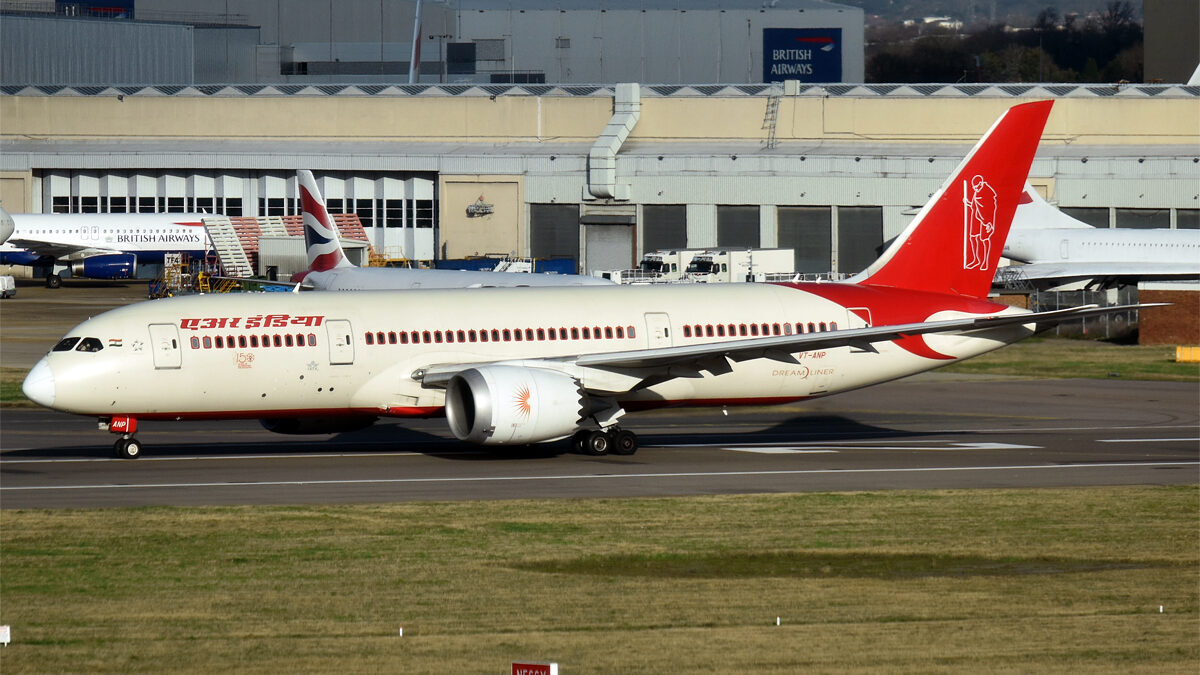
{"x": 954, "y": 243}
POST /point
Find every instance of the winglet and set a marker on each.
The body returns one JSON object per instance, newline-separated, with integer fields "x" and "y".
{"x": 320, "y": 234}
{"x": 954, "y": 243}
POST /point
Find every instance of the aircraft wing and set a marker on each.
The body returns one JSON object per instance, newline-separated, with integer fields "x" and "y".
{"x": 60, "y": 251}
{"x": 1048, "y": 275}
{"x": 665, "y": 363}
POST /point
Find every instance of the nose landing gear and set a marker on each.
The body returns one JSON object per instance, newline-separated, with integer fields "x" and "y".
{"x": 127, "y": 447}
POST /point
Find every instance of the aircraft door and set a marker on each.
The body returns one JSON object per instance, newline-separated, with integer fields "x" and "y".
{"x": 658, "y": 330}
{"x": 341, "y": 342}
{"x": 164, "y": 343}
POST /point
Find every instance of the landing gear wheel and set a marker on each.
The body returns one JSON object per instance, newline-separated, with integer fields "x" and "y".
{"x": 128, "y": 448}
{"x": 53, "y": 281}
{"x": 579, "y": 440}
{"x": 597, "y": 444}
{"x": 624, "y": 442}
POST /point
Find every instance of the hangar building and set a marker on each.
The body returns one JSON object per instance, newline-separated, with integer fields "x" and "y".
{"x": 175, "y": 42}
{"x": 598, "y": 173}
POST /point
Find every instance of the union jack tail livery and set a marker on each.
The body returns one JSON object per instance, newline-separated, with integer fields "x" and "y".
{"x": 971, "y": 213}
{"x": 320, "y": 234}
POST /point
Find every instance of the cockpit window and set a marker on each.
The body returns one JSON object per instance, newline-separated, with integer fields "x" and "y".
{"x": 65, "y": 344}
{"x": 89, "y": 344}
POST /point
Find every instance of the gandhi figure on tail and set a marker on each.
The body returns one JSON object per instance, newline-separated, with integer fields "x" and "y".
{"x": 979, "y": 216}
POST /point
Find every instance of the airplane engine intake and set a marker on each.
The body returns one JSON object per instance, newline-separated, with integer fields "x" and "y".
{"x": 511, "y": 405}
{"x": 112, "y": 266}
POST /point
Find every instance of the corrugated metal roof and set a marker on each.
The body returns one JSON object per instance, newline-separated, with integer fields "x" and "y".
{"x": 1046, "y": 91}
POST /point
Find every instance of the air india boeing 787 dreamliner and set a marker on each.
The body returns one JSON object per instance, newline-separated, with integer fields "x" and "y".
{"x": 510, "y": 366}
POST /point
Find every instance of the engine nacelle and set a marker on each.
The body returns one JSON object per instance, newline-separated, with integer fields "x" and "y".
{"x": 316, "y": 425}
{"x": 511, "y": 405}
{"x": 110, "y": 266}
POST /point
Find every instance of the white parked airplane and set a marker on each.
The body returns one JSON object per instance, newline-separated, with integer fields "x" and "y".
{"x": 514, "y": 366}
{"x": 330, "y": 270}
{"x": 100, "y": 245}
{"x": 1060, "y": 250}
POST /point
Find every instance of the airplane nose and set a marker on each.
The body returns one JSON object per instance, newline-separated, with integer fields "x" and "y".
{"x": 39, "y": 385}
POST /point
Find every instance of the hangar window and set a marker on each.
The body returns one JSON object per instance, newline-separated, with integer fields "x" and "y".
{"x": 121, "y": 205}
{"x": 393, "y": 212}
{"x": 176, "y": 205}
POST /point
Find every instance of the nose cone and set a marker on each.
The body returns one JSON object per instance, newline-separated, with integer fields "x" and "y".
{"x": 39, "y": 385}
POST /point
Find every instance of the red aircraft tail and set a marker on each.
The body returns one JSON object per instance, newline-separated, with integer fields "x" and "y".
{"x": 954, "y": 243}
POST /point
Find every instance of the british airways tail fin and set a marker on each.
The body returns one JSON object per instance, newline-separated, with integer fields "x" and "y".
{"x": 320, "y": 234}
{"x": 954, "y": 243}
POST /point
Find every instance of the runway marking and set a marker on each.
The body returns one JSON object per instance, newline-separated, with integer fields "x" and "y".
{"x": 768, "y": 450}
{"x": 594, "y": 476}
{"x": 814, "y": 449}
{"x": 192, "y": 458}
{"x": 1149, "y": 440}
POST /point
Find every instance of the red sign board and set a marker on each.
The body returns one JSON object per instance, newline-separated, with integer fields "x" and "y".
{"x": 535, "y": 669}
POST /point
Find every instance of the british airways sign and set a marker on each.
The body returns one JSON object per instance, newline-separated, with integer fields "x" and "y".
{"x": 805, "y": 54}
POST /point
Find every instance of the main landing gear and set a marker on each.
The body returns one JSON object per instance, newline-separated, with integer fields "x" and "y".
{"x": 600, "y": 442}
{"x": 127, "y": 447}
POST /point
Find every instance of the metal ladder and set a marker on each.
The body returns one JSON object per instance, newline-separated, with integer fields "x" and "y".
{"x": 774, "y": 95}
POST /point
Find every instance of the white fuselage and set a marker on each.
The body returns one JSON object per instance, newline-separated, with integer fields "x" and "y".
{"x": 137, "y": 233}
{"x": 1120, "y": 246}
{"x": 351, "y": 278}
{"x": 356, "y": 353}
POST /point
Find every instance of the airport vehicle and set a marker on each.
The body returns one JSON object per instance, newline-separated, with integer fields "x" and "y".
{"x": 513, "y": 366}
{"x": 656, "y": 267}
{"x": 733, "y": 264}
{"x": 330, "y": 270}
{"x": 1060, "y": 250}
{"x": 100, "y": 245}
{"x": 8, "y": 286}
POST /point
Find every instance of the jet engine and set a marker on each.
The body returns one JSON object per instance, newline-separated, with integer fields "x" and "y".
{"x": 315, "y": 425}
{"x": 510, "y": 405}
{"x": 110, "y": 266}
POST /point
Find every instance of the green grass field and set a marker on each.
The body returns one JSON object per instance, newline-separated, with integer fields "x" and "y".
{"x": 1051, "y": 580}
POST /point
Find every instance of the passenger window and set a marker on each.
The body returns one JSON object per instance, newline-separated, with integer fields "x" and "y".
{"x": 278, "y": 342}
{"x": 495, "y": 335}
{"x": 720, "y": 330}
{"x": 574, "y": 333}
{"x": 529, "y": 334}
{"x": 462, "y": 336}
{"x": 427, "y": 337}
{"x": 242, "y": 341}
{"x": 620, "y": 333}
{"x": 812, "y": 328}
{"x": 195, "y": 341}
{"x": 220, "y": 342}
{"x": 630, "y": 333}
{"x": 775, "y": 329}
{"x": 708, "y": 330}
{"x": 608, "y": 332}
{"x": 517, "y": 334}
{"x": 507, "y": 335}
{"x": 65, "y": 344}
{"x": 403, "y": 338}
{"x": 541, "y": 334}
{"x": 312, "y": 340}
{"x": 287, "y": 340}
{"x": 391, "y": 337}
{"x": 449, "y": 336}
{"x": 754, "y": 329}
{"x": 472, "y": 335}
{"x": 742, "y": 329}
{"x": 370, "y": 338}
{"x": 483, "y": 336}
{"x": 437, "y": 336}
{"x": 587, "y": 333}
{"x": 823, "y": 327}
{"x": 833, "y": 326}
{"x": 687, "y": 331}
{"x": 207, "y": 342}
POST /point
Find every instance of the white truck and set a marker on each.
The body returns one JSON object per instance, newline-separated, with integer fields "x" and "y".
{"x": 656, "y": 267}
{"x": 733, "y": 265}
